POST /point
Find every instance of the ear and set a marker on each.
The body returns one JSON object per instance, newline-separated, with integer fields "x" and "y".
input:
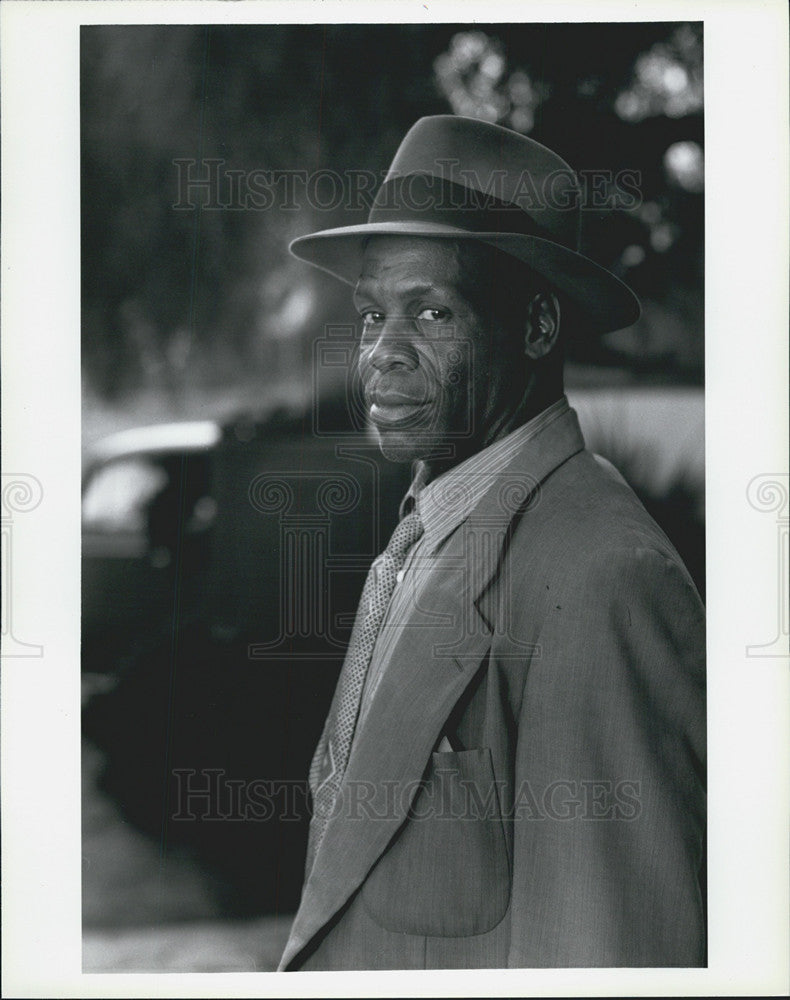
{"x": 542, "y": 326}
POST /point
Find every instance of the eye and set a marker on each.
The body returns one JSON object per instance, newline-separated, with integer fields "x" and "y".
{"x": 431, "y": 315}
{"x": 371, "y": 318}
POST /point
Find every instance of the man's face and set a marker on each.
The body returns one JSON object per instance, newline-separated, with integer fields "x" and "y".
{"x": 435, "y": 370}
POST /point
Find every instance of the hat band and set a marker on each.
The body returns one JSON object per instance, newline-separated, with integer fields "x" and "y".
{"x": 428, "y": 199}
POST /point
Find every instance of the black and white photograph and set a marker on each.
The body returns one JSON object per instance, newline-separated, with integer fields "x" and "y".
{"x": 482, "y": 357}
{"x": 397, "y": 508}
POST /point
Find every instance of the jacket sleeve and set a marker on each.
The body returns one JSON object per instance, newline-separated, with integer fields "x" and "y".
{"x": 609, "y": 777}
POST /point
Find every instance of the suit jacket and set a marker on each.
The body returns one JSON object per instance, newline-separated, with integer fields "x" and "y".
{"x": 561, "y": 652}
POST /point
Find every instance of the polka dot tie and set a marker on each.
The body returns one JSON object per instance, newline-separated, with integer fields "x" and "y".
{"x": 331, "y": 756}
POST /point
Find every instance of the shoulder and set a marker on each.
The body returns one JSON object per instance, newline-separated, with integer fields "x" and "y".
{"x": 586, "y": 552}
{"x": 604, "y": 595}
{"x": 586, "y": 516}
{"x": 611, "y": 617}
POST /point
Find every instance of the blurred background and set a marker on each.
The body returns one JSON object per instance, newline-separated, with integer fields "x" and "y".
{"x": 200, "y": 337}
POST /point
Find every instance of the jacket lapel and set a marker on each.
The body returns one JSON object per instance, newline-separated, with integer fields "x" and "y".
{"x": 437, "y": 655}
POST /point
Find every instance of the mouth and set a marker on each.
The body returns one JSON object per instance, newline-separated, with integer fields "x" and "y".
{"x": 391, "y": 407}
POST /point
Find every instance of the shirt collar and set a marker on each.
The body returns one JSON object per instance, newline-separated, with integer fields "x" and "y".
{"x": 447, "y": 501}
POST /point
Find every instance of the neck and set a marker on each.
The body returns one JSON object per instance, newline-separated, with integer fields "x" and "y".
{"x": 534, "y": 400}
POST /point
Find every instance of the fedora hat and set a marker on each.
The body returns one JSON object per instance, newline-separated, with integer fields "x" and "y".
{"x": 461, "y": 178}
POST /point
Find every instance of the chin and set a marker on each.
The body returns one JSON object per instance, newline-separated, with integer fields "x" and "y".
{"x": 400, "y": 448}
{"x": 404, "y": 445}
{"x": 395, "y": 449}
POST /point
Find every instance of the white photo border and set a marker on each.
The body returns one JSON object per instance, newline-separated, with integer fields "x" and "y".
{"x": 746, "y": 124}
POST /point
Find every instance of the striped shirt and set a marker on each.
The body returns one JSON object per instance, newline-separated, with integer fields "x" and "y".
{"x": 443, "y": 505}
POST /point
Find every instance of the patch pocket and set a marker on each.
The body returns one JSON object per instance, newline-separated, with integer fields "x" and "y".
{"x": 446, "y": 872}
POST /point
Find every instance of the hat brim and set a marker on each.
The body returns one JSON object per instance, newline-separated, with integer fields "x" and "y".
{"x": 607, "y": 303}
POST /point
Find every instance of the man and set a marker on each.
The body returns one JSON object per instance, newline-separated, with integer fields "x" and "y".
{"x": 511, "y": 773}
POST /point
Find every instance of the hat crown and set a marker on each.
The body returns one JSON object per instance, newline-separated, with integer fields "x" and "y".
{"x": 461, "y": 178}
{"x": 503, "y": 180}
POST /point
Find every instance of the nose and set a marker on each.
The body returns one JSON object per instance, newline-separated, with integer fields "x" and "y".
{"x": 391, "y": 346}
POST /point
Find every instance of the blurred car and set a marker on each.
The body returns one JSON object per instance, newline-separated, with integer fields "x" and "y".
{"x": 146, "y": 502}
{"x": 185, "y": 523}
